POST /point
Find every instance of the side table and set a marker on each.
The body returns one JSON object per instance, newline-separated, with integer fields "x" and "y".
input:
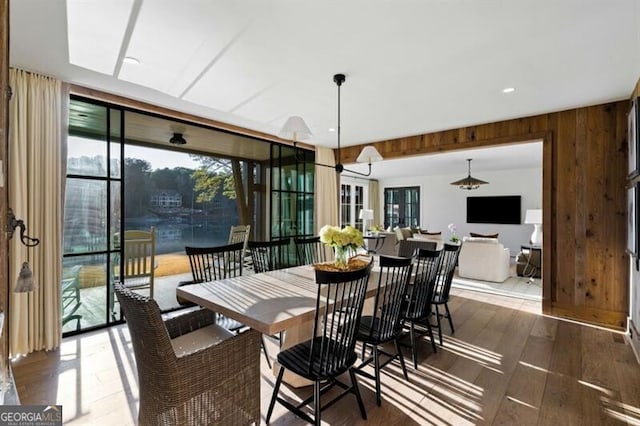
{"x": 529, "y": 261}
{"x": 379, "y": 241}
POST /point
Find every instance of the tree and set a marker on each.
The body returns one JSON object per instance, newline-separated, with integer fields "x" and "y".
{"x": 137, "y": 191}
{"x": 214, "y": 175}
{"x": 217, "y": 174}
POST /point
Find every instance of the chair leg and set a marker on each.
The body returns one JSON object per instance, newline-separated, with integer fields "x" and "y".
{"x": 316, "y": 403}
{"x": 439, "y": 325}
{"x": 264, "y": 349}
{"x": 402, "y": 364}
{"x": 376, "y": 369}
{"x": 276, "y": 388}
{"x": 413, "y": 347}
{"x": 356, "y": 390}
{"x": 446, "y": 307}
{"x": 364, "y": 350}
{"x": 433, "y": 340}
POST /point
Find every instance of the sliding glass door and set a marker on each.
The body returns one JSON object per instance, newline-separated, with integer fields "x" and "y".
{"x": 122, "y": 175}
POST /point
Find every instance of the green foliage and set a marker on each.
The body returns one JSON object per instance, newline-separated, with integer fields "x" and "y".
{"x": 213, "y": 176}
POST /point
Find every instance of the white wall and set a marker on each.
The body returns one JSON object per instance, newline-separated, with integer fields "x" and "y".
{"x": 442, "y": 203}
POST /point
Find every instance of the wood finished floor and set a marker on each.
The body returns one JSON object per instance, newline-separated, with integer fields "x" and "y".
{"x": 506, "y": 364}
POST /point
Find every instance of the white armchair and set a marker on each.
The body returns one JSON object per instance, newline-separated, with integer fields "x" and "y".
{"x": 484, "y": 259}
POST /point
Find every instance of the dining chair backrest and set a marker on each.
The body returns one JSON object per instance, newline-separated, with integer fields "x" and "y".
{"x": 448, "y": 264}
{"x": 138, "y": 259}
{"x": 393, "y": 279}
{"x": 420, "y": 293}
{"x": 339, "y": 301}
{"x": 269, "y": 255}
{"x": 239, "y": 234}
{"x": 310, "y": 250}
{"x": 215, "y": 263}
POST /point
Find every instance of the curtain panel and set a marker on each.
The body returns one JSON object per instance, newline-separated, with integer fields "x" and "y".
{"x": 326, "y": 190}
{"x": 35, "y": 186}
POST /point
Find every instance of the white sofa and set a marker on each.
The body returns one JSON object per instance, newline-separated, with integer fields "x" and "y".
{"x": 484, "y": 259}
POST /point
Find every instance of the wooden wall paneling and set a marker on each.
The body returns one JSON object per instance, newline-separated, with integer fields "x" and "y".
{"x": 581, "y": 207}
{"x": 595, "y": 268}
{"x": 584, "y": 264}
{"x": 567, "y": 241}
{"x": 549, "y": 148}
{"x": 618, "y": 228}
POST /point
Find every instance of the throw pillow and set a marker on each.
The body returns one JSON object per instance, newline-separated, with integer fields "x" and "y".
{"x": 406, "y": 233}
{"x": 430, "y": 233}
{"x": 474, "y": 234}
{"x": 483, "y": 240}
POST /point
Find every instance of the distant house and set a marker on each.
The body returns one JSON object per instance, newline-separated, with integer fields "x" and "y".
{"x": 166, "y": 198}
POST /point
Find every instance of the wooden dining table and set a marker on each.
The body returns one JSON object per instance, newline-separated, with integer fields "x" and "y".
{"x": 270, "y": 302}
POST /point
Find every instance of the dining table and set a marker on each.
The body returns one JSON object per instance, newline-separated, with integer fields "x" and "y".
{"x": 280, "y": 301}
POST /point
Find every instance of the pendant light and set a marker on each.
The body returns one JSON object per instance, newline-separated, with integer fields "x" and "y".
{"x": 296, "y": 129}
{"x": 469, "y": 182}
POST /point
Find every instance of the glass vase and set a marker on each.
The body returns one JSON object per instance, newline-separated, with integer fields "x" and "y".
{"x": 341, "y": 257}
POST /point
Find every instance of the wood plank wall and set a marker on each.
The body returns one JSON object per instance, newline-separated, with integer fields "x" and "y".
{"x": 585, "y": 271}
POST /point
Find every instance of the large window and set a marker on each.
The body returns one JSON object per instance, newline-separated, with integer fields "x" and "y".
{"x": 292, "y": 186}
{"x": 402, "y": 206}
{"x": 122, "y": 174}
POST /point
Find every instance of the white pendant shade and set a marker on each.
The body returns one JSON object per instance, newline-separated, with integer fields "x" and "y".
{"x": 369, "y": 155}
{"x": 295, "y": 129}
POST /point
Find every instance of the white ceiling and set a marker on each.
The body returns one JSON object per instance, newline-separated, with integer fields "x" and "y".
{"x": 412, "y": 67}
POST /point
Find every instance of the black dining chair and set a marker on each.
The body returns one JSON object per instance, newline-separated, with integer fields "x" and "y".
{"x": 217, "y": 263}
{"x": 442, "y": 288}
{"x": 339, "y": 301}
{"x": 269, "y": 255}
{"x": 417, "y": 307}
{"x": 385, "y": 323}
{"x": 310, "y": 250}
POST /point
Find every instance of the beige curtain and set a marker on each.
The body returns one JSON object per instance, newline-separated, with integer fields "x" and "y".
{"x": 35, "y": 187}
{"x": 374, "y": 202}
{"x": 326, "y": 199}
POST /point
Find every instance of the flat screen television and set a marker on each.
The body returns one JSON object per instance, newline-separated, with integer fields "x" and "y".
{"x": 504, "y": 209}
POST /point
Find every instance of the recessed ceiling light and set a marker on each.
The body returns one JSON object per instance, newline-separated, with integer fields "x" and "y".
{"x": 331, "y": 129}
{"x": 508, "y": 90}
{"x": 131, "y": 60}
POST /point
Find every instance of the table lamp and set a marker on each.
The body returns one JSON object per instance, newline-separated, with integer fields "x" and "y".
{"x": 365, "y": 215}
{"x": 534, "y": 217}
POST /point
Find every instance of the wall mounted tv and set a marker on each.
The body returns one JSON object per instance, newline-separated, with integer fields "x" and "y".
{"x": 503, "y": 209}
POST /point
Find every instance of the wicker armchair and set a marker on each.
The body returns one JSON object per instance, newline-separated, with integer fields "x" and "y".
{"x": 190, "y": 370}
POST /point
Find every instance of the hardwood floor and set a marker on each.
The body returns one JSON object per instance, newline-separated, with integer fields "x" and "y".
{"x": 506, "y": 364}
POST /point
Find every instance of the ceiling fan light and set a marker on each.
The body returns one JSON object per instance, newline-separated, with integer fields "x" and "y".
{"x": 295, "y": 129}
{"x": 177, "y": 139}
{"x": 369, "y": 154}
